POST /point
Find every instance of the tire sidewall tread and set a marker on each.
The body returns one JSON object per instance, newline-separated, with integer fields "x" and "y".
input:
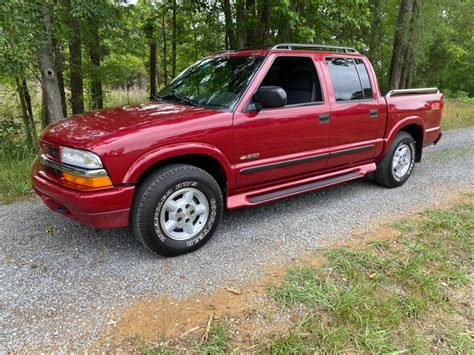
{"x": 384, "y": 175}
{"x": 151, "y": 195}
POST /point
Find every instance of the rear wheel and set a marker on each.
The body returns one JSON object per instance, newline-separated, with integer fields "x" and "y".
{"x": 396, "y": 166}
{"x": 177, "y": 209}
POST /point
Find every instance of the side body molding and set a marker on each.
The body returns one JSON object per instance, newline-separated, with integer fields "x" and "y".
{"x": 176, "y": 150}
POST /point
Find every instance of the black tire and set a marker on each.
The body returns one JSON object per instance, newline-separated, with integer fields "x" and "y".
{"x": 384, "y": 175}
{"x": 151, "y": 197}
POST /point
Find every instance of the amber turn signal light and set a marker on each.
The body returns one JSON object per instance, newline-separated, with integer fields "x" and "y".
{"x": 86, "y": 182}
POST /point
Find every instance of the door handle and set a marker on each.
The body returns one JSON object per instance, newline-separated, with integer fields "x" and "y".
{"x": 373, "y": 112}
{"x": 324, "y": 117}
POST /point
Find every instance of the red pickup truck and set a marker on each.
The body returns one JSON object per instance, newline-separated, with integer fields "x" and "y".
{"x": 237, "y": 128}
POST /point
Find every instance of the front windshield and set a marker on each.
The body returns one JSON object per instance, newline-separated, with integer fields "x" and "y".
{"x": 216, "y": 82}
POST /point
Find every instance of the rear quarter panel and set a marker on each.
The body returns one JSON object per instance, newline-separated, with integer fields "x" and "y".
{"x": 422, "y": 110}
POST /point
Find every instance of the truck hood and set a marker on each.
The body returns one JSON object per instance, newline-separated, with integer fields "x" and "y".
{"x": 84, "y": 130}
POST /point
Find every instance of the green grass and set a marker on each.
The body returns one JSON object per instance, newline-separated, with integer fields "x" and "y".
{"x": 404, "y": 294}
{"x": 389, "y": 296}
{"x": 458, "y": 113}
{"x": 15, "y": 180}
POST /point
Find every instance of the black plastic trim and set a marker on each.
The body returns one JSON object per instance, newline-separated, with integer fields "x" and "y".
{"x": 304, "y": 187}
{"x": 258, "y": 168}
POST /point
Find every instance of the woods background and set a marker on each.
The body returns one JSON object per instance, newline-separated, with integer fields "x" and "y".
{"x": 63, "y": 57}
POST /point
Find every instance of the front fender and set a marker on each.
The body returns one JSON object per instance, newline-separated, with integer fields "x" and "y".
{"x": 176, "y": 150}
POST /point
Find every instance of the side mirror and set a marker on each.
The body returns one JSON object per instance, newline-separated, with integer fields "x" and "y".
{"x": 271, "y": 96}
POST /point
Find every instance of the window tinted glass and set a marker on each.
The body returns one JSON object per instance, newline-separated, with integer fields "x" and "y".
{"x": 345, "y": 79}
{"x": 217, "y": 82}
{"x": 298, "y": 77}
{"x": 364, "y": 78}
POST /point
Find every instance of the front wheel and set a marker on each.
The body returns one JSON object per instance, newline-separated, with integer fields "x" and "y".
{"x": 396, "y": 166}
{"x": 177, "y": 209}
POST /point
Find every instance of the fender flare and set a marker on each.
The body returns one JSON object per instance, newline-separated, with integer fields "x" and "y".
{"x": 417, "y": 120}
{"x": 156, "y": 155}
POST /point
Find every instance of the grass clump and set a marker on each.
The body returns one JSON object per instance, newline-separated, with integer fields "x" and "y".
{"x": 458, "y": 113}
{"x": 15, "y": 180}
{"x": 390, "y": 296}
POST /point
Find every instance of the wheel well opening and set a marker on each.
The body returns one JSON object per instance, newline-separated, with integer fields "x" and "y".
{"x": 211, "y": 165}
{"x": 417, "y": 133}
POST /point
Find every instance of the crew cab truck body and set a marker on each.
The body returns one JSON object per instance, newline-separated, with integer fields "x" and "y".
{"x": 235, "y": 129}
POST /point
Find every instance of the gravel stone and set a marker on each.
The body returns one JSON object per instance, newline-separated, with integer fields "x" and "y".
{"x": 61, "y": 282}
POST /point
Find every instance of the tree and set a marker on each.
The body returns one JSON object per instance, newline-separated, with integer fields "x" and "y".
{"x": 230, "y": 41}
{"x": 75, "y": 60}
{"x": 173, "y": 38}
{"x": 49, "y": 79}
{"x": 94, "y": 51}
{"x": 400, "y": 42}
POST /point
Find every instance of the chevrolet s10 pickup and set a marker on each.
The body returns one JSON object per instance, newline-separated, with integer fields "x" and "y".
{"x": 237, "y": 128}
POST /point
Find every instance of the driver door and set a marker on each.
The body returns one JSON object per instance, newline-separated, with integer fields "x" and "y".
{"x": 287, "y": 142}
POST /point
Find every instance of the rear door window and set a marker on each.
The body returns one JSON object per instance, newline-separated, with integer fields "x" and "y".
{"x": 349, "y": 79}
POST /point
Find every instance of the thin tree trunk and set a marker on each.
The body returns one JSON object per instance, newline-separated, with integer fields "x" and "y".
{"x": 249, "y": 26}
{"x": 400, "y": 43}
{"x": 195, "y": 40}
{"x": 49, "y": 78}
{"x": 75, "y": 66}
{"x": 45, "y": 118}
{"x": 31, "y": 118}
{"x": 241, "y": 28}
{"x": 265, "y": 20}
{"x": 58, "y": 65}
{"x": 375, "y": 30}
{"x": 173, "y": 43}
{"x": 165, "y": 50}
{"x": 24, "y": 111}
{"x": 152, "y": 69}
{"x": 94, "y": 49}
{"x": 229, "y": 26}
{"x": 409, "y": 59}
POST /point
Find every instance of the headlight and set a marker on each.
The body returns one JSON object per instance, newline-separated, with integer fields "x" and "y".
{"x": 80, "y": 158}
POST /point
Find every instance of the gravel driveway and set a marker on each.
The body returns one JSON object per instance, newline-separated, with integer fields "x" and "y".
{"x": 62, "y": 282}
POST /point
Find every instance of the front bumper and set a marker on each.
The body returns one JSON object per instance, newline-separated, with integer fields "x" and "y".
{"x": 106, "y": 208}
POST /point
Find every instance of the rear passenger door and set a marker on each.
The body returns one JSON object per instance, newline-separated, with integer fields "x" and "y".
{"x": 355, "y": 112}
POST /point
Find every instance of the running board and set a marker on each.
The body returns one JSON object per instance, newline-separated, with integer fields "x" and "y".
{"x": 305, "y": 187}
{"x": 288, "y": 189}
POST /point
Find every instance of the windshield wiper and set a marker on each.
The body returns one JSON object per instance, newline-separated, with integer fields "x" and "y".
{"x": 180, "y": 98}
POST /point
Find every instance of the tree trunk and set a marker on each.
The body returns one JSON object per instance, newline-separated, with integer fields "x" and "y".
{"x": 94, "y": 49}
{"x": 45, "y": 118}
{"x": 75, "y": 66}
{"x": 152, "y": 69}
{"x": 173, "y": 43}
{"x": 165, "y": 49}
{"x": 58, "y": 66}
{"x": 24, "y": 111}
{"x": 240, "y": 19}
{"x": 265, "y": 21}
{"x": 249, "y": 26}
{"x": 229, "y": 26}
{"x": 375, "y": 30}
{"x": 49, "y": 78}
{"x": 400, "y": 43}
{"x": 409, "y": 59}
{"x": 31, "y": 118}
{"x": 195, "y": 41}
